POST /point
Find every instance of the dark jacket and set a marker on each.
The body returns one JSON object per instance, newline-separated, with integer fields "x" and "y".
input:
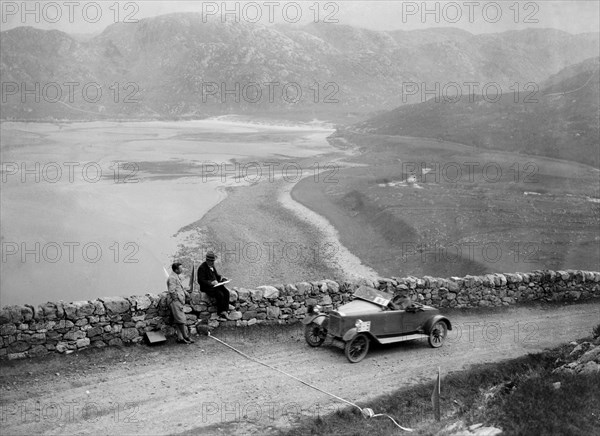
{"x": 206, "y": 276}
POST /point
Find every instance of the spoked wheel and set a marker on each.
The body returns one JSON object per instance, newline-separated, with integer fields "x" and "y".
{"x": 314, "y": 334}
{"x": 357, "y": 348}
{"x": 437, "y": 335}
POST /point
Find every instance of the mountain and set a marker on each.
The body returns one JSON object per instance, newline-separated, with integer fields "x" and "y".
{"x": 160, "y": 66}
{"x": 559, "y": 120}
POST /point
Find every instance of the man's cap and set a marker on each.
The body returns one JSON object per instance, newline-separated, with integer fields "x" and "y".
{"x": 210, "y": 255}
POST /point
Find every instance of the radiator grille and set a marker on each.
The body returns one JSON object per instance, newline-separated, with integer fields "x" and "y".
{"x": 334, "y": 324}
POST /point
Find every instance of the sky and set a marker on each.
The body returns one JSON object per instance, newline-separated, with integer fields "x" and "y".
{"x": 82, "y": 17}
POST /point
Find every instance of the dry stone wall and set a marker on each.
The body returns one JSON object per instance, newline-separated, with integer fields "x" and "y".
{"x": 28, "y": 331}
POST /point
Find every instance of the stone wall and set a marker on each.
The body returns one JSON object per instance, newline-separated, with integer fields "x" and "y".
{"x": 27, "y": 331}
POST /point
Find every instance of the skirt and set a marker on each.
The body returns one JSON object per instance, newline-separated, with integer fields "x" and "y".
{"x": 177, "y": 311}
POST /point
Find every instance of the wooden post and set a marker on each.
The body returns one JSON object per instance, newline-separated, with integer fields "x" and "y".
{"x": 435, "y": 397}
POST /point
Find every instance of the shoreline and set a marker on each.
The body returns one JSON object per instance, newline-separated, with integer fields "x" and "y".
{"x": 329, "y": 250}
{"x": 257, "y": 240}
{"x": 341, "y": 257}
{"x": 263, "y": 236}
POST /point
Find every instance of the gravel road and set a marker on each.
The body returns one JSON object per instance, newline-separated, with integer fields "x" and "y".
{"x": 207, "y": 388}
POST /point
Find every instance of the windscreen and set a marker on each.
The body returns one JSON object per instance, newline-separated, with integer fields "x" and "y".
{"x": 373, "y": 295}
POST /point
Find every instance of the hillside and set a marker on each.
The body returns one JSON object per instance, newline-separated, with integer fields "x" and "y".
{"x": 560, "y": 120}
{"x": 161, "y": 65}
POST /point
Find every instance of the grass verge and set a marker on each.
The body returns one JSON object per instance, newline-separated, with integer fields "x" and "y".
{"x": 515, "y": 395}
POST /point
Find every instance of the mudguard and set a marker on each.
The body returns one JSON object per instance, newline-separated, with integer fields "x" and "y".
{"x": 318, "y": 318}
{"x": 350, "y": 334}
{"x": 431, "y": 321}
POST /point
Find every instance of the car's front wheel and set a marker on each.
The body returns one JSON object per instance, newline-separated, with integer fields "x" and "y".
{"x": 357, "y": 348}
{"x": 314, "y": 334}
{"x": 437, "y": 334}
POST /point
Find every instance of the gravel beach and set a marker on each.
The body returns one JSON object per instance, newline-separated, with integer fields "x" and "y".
{"x": 265, "y": 237}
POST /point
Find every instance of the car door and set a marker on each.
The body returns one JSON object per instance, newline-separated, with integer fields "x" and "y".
{"x": 412, "y": 321}
{"x": 388, "y": 323}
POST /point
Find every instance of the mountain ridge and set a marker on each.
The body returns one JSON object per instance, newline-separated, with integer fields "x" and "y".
{"x": 559, "y": 120}
{"x": 168, "y": 61}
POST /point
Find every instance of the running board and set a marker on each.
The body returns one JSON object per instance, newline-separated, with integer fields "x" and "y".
{"x": 402, "y": 338}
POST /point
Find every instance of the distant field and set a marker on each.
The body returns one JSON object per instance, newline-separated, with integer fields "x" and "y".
{"x": 470, "y": 212}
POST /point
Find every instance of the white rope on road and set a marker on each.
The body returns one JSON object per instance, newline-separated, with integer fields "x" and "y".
{"x": 366, "y": 412}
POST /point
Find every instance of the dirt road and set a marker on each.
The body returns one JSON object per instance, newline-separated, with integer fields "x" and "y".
{"x": 206, "y": 388}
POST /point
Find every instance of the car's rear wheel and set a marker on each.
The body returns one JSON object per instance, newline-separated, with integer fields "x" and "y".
{"x": 357, "y": 348}
{"x": 314, "y": 334}
{"x": 437, "y": 334}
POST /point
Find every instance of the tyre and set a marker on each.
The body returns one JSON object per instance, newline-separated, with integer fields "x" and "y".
{"x": 437, "y": 334}
{"x": 314, "y": 334}
{"x": 357, "y": 348}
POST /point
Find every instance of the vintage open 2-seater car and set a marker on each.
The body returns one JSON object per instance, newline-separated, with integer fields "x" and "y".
{"x": 378, "y": 316}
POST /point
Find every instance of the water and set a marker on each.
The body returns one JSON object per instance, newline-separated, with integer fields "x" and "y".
{"x": 92, "y": 209}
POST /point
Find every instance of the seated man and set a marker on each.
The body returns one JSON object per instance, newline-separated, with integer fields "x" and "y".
{"x": 400, "y": 302}
{"x": 209, "y": 279}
